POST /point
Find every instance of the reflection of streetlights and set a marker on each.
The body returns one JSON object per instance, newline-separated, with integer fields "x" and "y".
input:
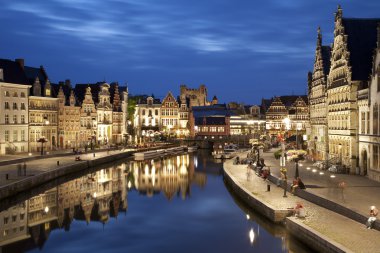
{"x": 340, "y": 152}
{"x": 42, "y": 140}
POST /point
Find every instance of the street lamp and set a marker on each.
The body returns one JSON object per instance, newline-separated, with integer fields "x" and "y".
{"x": 296, "y": 160}
{"x": 42, "y": 140}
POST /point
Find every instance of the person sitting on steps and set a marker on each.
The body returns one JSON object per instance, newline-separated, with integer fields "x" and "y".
{"x": 373, "y": 212}
{"x": 297, "y": 183}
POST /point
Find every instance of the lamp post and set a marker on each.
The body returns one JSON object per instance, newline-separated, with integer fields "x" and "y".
{"x": 296, "y": 160}
{"x": 42, "y": 140}
{"x": 283, "y": 169}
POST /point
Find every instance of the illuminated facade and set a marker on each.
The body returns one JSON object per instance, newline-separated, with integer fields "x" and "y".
{"x": 147, "y": 117}
{"x": 369, "y": 130}
{"x": 351, "y": 62}
{"x": 318, "y": 136}
{"x": 169, "y": 114}
{"x": 286, "y": 115}
{"x": 14, "y": 118}
{"x": 68, "y": 118}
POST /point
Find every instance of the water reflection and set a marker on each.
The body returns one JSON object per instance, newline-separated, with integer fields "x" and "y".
{"x": 208, "y": 221}
{"x": 94, "y": 197}
{"x": 172, "y": 176}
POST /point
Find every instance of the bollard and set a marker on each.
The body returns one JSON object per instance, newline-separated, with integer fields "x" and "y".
{"x": 57, "y": 163}
{"x": 268, "y": 187}
{"x": 19, "y": 169}
{"x": 24, "y": 169}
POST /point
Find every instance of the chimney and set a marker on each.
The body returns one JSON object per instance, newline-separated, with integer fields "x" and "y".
{"x": 1, "y": 75}
{"x": 21, "y": 62}
{"x": 68, "y": 83}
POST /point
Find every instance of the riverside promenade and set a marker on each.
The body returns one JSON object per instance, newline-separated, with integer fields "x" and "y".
{"x": 322, "y": 229}
{"x": 41, "y": 169}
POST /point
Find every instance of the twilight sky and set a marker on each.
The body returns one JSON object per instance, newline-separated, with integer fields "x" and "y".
{"x": 242, "y": 50}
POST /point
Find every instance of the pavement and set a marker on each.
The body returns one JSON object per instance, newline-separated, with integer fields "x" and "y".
{"x": 34, "y": 167}
{"x": 337, "y": 228}
{"x": 358, "y": 194}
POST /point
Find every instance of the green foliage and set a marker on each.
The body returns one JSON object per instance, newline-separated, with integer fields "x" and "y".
{"x": 277, "y": 154}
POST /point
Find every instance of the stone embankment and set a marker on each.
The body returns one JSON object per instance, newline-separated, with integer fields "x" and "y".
{"x": 43, "y": 175}
{"x": 322, "y": 229}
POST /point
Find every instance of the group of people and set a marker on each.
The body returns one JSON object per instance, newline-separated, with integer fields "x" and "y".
{"x": 260, "y": 170}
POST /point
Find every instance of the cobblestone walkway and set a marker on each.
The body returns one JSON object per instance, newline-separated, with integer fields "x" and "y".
{"x": 351, "y": 234}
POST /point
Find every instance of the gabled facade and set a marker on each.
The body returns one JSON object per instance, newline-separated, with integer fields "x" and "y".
{"x": 351, "y": 61}
{"x": 43, "y": 110}
{"x": 88, "y": 120}
{"x": 69, "y": 120}
{"x": 286, "y": 116}
{"x": 147, "y": 117}
{"x": 318, "y": 137}
{"x": 169, "y": 114}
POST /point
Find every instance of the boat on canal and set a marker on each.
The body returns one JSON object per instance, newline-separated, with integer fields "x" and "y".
{"x": 149, "y": 154}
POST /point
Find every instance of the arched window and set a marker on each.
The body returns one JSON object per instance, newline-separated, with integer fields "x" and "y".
{"x": 22, "y": 94}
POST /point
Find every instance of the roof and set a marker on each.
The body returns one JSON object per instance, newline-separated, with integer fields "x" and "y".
{"x": 80, "y": 91}
{"x": 144, "y": 100}
{"x": 326, "y": 56}
{"x": 212, "y": 110}
{"x": 210, "y": 121}
{"x": 13, "y": 72}
{"x": 32, "y": 73}
{"x": 362, "y": 38}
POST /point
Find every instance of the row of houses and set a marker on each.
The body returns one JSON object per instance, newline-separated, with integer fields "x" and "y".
{"x": 344, "y": 96}
{"x": 37, "y": 114}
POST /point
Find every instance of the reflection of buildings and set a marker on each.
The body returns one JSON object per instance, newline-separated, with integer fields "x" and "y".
{"x": 93, "y": 197}
{"x": 172, "y": 176}
{"x": 13, "y": 224}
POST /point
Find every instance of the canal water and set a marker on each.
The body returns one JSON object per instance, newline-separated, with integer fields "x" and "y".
{"x": 175, "y": 204}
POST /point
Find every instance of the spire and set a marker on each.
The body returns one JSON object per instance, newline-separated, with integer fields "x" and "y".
{"x": 72, "y": 98}
{"x": 339, "y": 13}
{"x": 319, "y": 37}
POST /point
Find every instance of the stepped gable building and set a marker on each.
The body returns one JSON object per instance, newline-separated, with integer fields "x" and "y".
{"x": 286, "y": 116}
{"x": 147, "y": 117}
{"x": 318, "y": 137}
{"x": 369, "y": 120}
{"x": 68, "y": 116}
{"x": 197, "y": 97}
{"x": 351, "y": 62}
{"x": 111, "y": 103}
{"x": 169, "y": 114}
{"x": 184, "y": 105}
{"x": 14, "y": 118}
{"x": 43, "y": 110}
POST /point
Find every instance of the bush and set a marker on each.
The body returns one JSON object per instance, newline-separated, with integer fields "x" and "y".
{"x": 277, "y": 154}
